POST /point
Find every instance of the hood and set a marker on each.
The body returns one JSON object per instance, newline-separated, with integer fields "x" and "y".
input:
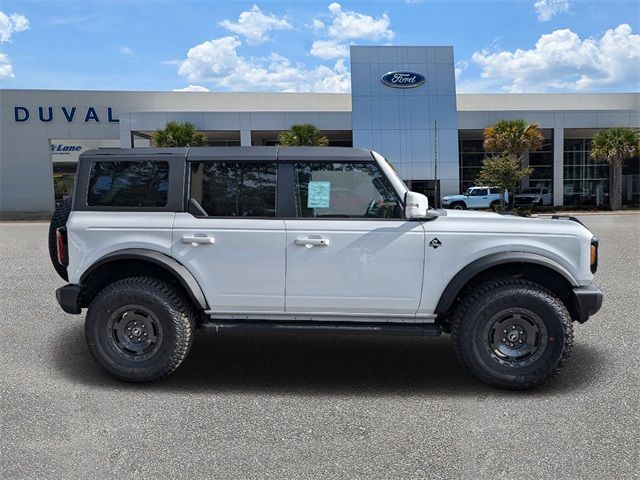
{"x": 454, "y": 197}
{"x": 495, "y": 222}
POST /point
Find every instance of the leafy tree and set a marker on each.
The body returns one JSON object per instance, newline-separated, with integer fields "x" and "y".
{"x": 615, "y": 145}
{"x": 504, "y": 172}
{"x": 178, "y": 134}
{"x": 512, "y": 139}
{"x": 304, "y": 135}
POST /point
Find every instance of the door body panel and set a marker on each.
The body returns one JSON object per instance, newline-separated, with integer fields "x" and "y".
{"x": 240, "y": 267}
{"x": 479, "y": 199}
{"x": 354, "y": 266}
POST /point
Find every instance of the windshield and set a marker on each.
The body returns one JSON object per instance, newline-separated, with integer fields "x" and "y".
{"x": 531, "y": 190}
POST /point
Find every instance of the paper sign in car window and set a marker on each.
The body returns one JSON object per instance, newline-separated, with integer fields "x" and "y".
{"x": 319, "y": 195}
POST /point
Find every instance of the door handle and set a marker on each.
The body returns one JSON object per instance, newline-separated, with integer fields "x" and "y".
{"x": 312, "y": 242}
{"x": 197, "y": 239}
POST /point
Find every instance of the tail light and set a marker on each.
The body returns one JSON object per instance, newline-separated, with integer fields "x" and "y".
{"x": 63, "y": 246}
{"x": 594, "y": 254}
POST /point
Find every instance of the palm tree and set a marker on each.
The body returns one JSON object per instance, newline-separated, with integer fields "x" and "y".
{"x": 178, "y": 134}
{"x": 615, "y": 145}
{"x": 304, "y": 135}
{"x": 513, "y": 139}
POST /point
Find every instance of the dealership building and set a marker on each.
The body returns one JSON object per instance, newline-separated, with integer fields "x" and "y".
{"x": 413, "y": 116}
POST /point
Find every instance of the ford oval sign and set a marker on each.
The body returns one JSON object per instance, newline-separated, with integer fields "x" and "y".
{"x": 403, "y": 79}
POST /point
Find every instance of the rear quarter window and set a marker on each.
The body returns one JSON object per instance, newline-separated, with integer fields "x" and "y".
{"x": 128, "y": 184}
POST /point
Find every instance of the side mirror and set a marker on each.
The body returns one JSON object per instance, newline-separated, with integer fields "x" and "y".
{"x": 415, "y": 205}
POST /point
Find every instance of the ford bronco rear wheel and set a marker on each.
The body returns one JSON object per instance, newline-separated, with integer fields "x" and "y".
{"x": 512, "y": 333}
{"x": 139, "y": 329}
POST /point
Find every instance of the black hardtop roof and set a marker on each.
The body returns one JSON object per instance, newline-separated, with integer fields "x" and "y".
{"x": 242, "y": 153}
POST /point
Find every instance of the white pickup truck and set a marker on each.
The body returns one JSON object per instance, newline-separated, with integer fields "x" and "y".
{"x": 159, "y": 243}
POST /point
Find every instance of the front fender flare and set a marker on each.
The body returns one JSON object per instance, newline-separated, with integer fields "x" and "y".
{"x": 456, "y": 284}
{"x": 179, "y": 271}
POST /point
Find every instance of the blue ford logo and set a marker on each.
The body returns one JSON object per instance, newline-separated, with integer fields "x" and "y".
{"x": 403, "y": 79}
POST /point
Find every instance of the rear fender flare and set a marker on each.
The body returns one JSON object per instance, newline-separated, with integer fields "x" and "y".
{"x": 179, "y": 271}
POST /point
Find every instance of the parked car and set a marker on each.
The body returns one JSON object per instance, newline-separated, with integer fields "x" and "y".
{"x": 475, "y": 197}
{"x": 158, "y": 244}
{"x": 533, "y": 196}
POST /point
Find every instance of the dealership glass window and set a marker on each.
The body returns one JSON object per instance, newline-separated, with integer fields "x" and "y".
{"x": 235, "y": 189}
{"x": 343, "y": 190}
{"x": 429, "y": 188}
{"x": 128, "y": 184}
{"x": 64, "y": 175}
{"x": 631, "y": 181}
{"x": 472, "y": 153}
{"x": 586, "y": 180}
{"x": 542, "y": 163}
{"x": 471, "y": 156}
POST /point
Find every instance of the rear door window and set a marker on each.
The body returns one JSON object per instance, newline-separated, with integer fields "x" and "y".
{"x": 128, "y": 184}
{"x": 235, "y": 189}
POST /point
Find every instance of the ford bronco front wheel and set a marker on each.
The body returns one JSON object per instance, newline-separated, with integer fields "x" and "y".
{"x": 139, "y": 329}
{"x": 512, "y": 333}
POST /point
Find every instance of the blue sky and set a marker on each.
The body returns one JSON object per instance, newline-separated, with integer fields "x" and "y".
{"x": 499, "y": 46}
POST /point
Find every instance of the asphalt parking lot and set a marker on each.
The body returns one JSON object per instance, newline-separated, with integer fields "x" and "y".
{"x": 313, "y": 407}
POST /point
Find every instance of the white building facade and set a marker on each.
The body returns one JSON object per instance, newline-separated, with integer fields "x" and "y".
{"x": 414, "y": 117}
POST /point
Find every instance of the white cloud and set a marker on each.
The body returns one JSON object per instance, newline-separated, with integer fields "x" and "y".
{"x": 192, "y": 88}
{"x": 218, "y": 61}
{"x": 317, "y": 25}
{"x": 6, "y": 70}
{"x": 347, "y": 25}
{"x": 10, "y": 24}
{"x": 211, "y": 59}
{"x": 460, "y": 67}
{"x": 329, "y": 49}
{"x": 547, "y": 9}
{"x": 562, "y": 61}
{"x": 125, "y": 51}
{"x": 254, "y": 25}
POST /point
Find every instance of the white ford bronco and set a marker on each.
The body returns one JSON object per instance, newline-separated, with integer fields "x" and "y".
{"x": 157, "y": 244}
{"x": 475, "y": 197}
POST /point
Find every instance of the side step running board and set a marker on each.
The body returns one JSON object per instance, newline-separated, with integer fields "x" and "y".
{"x": 357, "y": 328}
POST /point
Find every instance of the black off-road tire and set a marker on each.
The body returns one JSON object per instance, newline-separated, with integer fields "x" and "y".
{"x": 140, "y": 329}
{"x": 458, "y": 206}
{"x": 479, "y": 345}
{"x": 59, "y": 219}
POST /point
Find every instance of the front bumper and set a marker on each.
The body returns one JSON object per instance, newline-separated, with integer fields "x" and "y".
{"x": 69, "y": 298}
{"x": 588, "y": 301}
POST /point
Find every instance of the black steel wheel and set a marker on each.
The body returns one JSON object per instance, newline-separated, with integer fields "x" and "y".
{"x": 516, "y": 336}
{"x": 135, "y": 331}
{"x": 512, "y": 333}
{"x": 140, "y": 329}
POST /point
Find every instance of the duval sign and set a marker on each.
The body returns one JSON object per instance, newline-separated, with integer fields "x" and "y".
{"x": 69, "y": 114}
{"x": 403, "y": 79}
